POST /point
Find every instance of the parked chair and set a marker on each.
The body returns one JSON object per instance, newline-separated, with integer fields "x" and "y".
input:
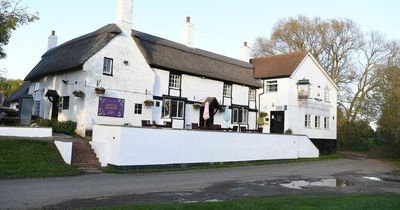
{"x": 259, "y": 130}
{"x": 235, "y": 128}
{"x": 168, "y": 124}
{"x": 243, "y": 129}
{"x": 195, "y": 126}
{"x": 146, "y": 123}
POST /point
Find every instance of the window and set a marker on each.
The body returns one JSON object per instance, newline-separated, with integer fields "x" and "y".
{"x": 174, "y": 81}
{"x": 317, "y": 121}
{"x": 138, "y": 108}
{"x": 173, "y": 109}
{"x": 307, "y": 121}
{"x": 108, "y": 66}
{"x": 252, "y": 95}
{"x": 272, "y": 86}
{"x": 36, "y": 108}
{"x": 36, "y": 86}
{"x": 240, "y": 116}
{"x": 227, "y": 90}
{"x": 326, "y": 94}
{"x": 326, "y": 122}
{"x": 64, "y": 103}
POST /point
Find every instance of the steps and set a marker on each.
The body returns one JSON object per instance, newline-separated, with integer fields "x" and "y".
{"x": 84, "y": 157}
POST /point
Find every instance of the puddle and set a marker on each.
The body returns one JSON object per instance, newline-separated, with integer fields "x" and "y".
{"x": 299, "y": 184}
{"x": 372, "y": 178}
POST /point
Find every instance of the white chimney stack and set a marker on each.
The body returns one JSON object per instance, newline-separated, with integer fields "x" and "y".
{"x": 52, "y": 41}
{"x": 245, "y": 52}
{"x": 125, "y": 15}
{"x": 187, "y": 33}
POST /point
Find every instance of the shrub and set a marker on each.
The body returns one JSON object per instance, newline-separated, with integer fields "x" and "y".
{"x": 289, "y": 132}
{"x": 67, "y": 127}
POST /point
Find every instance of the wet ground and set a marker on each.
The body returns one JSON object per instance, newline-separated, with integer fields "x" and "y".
{"x": 350, "y": 175}
{"x": 340, "y": 184}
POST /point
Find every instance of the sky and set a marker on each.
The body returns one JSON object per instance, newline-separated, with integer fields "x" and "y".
{"x": 221, "y": 26}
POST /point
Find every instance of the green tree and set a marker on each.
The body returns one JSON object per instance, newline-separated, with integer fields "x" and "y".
{"x": 8, "y": 86}
{"x": 12, "y": 16}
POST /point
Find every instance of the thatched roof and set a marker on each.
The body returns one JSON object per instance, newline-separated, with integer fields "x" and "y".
{"x": 278, "y": 65}
{"x": 169, "y": 55}
{"x": 22, "y": 90}
{"x": 73, "y": 54}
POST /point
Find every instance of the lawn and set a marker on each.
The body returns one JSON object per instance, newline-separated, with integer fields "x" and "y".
{"x": 350, "y": 202}
{"x": 114, "y": 169}
{"x": 31, "y": 159}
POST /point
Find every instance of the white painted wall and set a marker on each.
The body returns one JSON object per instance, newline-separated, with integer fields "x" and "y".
{"x": 65, "y": 150}
{"x": 129, "y": 146}
{"x": 25, "y": 132}
{"x": 294, "y": 115}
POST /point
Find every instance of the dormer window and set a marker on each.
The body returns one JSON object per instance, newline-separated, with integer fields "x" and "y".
{"x": 252, "y": 94}
{"x": 108, "y": 66}
{"x": 227, "y": 90}
{"x": 175, "y": 81}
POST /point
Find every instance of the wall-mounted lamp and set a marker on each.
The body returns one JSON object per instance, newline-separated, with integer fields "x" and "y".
{"x": 65, "y": 82}
{"x": 126, "y": 63}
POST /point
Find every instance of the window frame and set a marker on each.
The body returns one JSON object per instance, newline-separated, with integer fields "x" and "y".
{"x": 227, "y": 89}
{"x": 36, "y": 110}
{"x": 241, "y": 114}
{"x": 175, "y": 81}
{"x": 327, "y": 94}
{"x": 270, "y": 84}
{"x": 179, "y": 107}
{"x": 62, "y": 105}
{"x": 111, "y": 66}
{"x": 138, "y": 109}
{"x": 307, "y": 120}
{"x": 252, "y": 94}
{"x": 326, "y": 122}
{"x": 317, "y": 121}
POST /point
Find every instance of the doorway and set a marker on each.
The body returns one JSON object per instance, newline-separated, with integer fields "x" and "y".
{"x": 277, "y": 122}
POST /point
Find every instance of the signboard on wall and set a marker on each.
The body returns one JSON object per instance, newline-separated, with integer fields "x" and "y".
{"x": 111, "y": 107}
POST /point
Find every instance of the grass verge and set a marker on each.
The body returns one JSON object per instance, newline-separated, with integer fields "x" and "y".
{"x": 354, "y": 202}
{"x": 32, "y": 159}
{"x": 178, "y": 167}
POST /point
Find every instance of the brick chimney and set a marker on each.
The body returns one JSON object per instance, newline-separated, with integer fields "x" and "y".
{"x": 245, "y": 52}
{"x": 52, "y": 40}
{"x": 125, "y": 15}
{"x": 187, "y": 33}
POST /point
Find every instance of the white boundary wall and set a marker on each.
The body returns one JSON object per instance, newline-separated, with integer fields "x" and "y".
{"x": 26, "y": 132}
{"x": 130, "y": 146}
{"x": 65, "y": 149}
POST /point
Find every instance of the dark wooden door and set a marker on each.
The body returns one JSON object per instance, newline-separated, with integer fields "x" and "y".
{"x": 277, "y": 122}
{"x": 54, "y": 110}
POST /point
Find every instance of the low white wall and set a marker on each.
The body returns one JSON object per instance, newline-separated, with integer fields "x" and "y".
{"x": 25, "y": 132}
{"x": 127, "y": 146}
{"x": 65, "y": 149}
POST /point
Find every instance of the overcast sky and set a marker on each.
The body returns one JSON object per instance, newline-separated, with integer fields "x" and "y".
{"x": 221, "y": 26}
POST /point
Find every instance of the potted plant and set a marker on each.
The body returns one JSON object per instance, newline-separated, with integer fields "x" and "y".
{"x": 261, "y": 121}
{"x": 148, "y": 102}
{"x": 100, "y": 90}
{"x": 262, "y": 114}
{"x": 78, "y": 93}
{"x": 196, "y": 106}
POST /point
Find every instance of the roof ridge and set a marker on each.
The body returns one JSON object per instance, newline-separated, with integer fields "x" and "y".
{"x": 305, "y": 52}
{"x": 192, "y": 50}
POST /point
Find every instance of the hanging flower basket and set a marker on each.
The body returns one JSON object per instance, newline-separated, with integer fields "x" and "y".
{"x": 78, "y": 93}
{"x": 196, "y": 106}
{"x": 148, "y": 102}
{"x": 100, "y": 90}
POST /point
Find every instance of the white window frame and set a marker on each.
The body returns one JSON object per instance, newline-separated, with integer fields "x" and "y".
{"x": 168, "y": 109}
{"x": 227, "y": 91}
{"x": 317, "y": 121}
{"x": 108, "y": 64}
{"x": 272, "y": 86}
{"x": 36, "y": 86}
{"x": 175, "y": 81}
{"x": 307, "y": 121}
{"x": 236, "y": 112}
{"x": 252, "y": 94}
{"x": 326, "y": 122}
